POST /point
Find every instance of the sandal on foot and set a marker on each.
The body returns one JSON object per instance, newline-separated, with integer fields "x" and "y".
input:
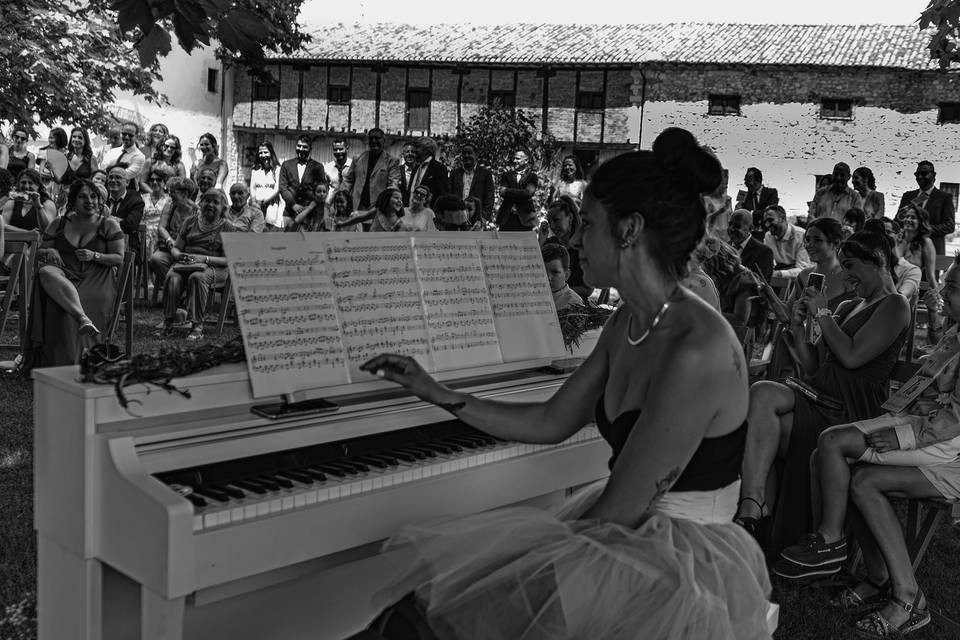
{"x": 751, "y": 524}
{"x": 849, "y": 600}
{"x": 87, "y": 328}
{"x": 196, "y": 334}
{"x": 874, "y": 625}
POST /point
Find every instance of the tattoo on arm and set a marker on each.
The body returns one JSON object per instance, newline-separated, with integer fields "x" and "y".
{"x": 737, "y": 363}
{"x": 663, "y": 485}
{"x": 452, "y": 407}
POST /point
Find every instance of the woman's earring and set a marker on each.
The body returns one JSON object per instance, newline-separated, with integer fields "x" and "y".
{"x": 626, "y": 243}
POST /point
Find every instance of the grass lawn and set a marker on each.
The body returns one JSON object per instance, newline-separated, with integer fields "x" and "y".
{"x": 804, "y": 614}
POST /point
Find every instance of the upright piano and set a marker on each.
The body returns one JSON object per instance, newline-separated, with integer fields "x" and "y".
{"x": 194, "y": 518}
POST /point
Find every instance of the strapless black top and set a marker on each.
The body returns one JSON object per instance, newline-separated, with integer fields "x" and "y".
{"x": 714, "y": 465}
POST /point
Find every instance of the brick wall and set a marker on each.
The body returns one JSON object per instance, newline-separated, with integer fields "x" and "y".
{"x": 530, "y": 94}
{"x": 364, "y": 99}
{"x": 475, "y": 92}
{"x": 443, "y": 105}
{"x": 620, "y": 124}
{"x": 561, "y": 104}
{"x": 242, "y": 95}
{"x": 314, "y": 111}
{"x": 265, "y": 111}
{"x": 393, "y": 100}
{"x": 289, "y": 97}
{"x": 894, "y": 124}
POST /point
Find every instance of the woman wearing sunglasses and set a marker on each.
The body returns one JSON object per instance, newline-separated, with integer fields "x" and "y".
{"x": 19, "y": 157}
{"x": 166, "y": 158}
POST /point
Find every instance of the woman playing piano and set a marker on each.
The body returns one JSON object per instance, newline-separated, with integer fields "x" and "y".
{"x": 651, "y": 552}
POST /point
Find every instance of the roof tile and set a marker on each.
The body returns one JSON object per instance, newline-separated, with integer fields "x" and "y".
{"x": 895, "y": 46}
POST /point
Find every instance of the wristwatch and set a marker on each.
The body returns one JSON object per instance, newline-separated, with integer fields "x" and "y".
{"x": 96, "y": 256}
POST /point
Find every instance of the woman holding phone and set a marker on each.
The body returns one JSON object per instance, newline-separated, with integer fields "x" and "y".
{"x": 849, "y": 367}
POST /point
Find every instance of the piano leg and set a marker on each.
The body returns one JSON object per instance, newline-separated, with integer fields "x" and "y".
{"x": 160, "y": 618}
{"x": 69, "y": 594}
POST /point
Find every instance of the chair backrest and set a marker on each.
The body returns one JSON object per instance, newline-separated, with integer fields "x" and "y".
{"x": 124, "y": 291}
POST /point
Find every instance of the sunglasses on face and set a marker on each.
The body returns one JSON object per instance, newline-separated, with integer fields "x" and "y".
{"x": 21, "y": 138}
{"x": 127, "y": 135}
{"x": 169, "y": 146}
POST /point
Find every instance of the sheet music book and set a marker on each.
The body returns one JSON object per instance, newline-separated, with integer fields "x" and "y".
{"x": 313, "y": 307}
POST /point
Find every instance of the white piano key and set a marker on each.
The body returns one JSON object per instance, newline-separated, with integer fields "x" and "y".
{"x": 323, "y": 494}
{"x": 378, "y": 482}
{"x": 223, "y": 517}
{"x": 236, "y": 514}
{"x": 250, "y": 511}
{"x": 311, "y": 497}
{"x": 209, "y": 520}
{"x": 198, "y": 523}
{"x": 299, "y": 500}
{"x": 276, "y": 505}
{"x": 263, "y": 508}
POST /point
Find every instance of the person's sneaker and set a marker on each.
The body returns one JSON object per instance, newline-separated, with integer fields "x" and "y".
{"x": 793, "y": 571}
{"x": 813, "y": 551}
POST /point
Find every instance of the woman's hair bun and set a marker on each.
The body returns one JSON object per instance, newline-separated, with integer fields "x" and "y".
{"x": 686, "y": 163}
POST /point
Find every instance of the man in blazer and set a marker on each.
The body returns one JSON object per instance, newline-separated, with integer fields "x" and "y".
{"x": 518, "y": 212}
{"x": 124, "y": 204}
{"x": 298, "y": 176}
{"x": 938, "y": 204}
{"x": 756, "y": 199}
{"x": 473, "y": 181}
{"x": 754, "y": 255}
{"x": 371, "y": 172}
{"x": 430, "y": 173}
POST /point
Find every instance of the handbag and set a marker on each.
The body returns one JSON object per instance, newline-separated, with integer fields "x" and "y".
{"x": 187, "y": 269}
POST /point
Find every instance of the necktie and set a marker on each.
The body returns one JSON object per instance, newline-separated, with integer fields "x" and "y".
{"x": 114, "y": 205}
{"x": 922, "y": 198}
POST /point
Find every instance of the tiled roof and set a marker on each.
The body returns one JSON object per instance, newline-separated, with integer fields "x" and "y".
{"x": 896, "y": 46}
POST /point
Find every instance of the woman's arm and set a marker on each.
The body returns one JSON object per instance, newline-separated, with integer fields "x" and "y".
{"x": 142, "y": 180}
{"x": 356, "y": 218}
{"x": 550, "y": 421}
{"x": 222, "y": 172}
{"x": 48, "y": 211}
{"x": 115, "y": 247}
{"x": 805, "y": 354}
{"x": 876, "y": 334}
{"x": 670, "y": 428}
{"x": 305, "y": 213}
{"x": 929, "y": 261}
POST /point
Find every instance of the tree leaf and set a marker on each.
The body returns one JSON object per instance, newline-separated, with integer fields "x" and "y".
{"x": 185, "y": 32}
{"x": 156, "y": 42}
{"x": 133, "y": 13}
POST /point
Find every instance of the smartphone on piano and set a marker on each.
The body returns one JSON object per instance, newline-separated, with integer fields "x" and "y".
{"x": 282, "y": 410}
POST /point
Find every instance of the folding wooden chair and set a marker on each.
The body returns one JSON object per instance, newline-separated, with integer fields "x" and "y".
{"x": 124, "y": 301}
{"x": 225, "y": 293}
{"x": 142, "y": 270}
{"x": 22, "y": 246}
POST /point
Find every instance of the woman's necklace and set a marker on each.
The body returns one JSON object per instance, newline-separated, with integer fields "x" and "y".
{"x": 206, "y": 228}
{"x": 653, "y": 324}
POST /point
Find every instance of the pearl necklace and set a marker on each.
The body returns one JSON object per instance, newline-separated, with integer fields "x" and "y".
{"x": 653, "y": 324}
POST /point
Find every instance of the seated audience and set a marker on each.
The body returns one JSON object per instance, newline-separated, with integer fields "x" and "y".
{"x": 418, "y": 216}
{"x": 916, "y": 247}
{"x": 907, "y": 275}
{"x": 700, "y": 284}
{"x": 313, "y": 216}
{"x": 556, "y": 260}
{"x": 125, "y": 205}
{"x": 154, "y": 202}
{"x": 821, "y": 239}
{"x": 77, "y": 279}
{"x": 754, "y": 255}
{"x": 242, "y": 214}
{"x": 848, "y": 367}
{"x": 912, "y": 456}
{"x": 563, "y": 218}
{"x": 206, "y": 179}
{"x": 719, "y": 206}
{"x": 786, "y": 240}
{"x": 155, "y": 138}
{"x": 854, "y": 219}
{"x": 29, "y": 207}
{"x": 452, "y": 214}
{"x": 735, "y": 283}
{"x": 199, "y": 264}
{"x": 180, "y": 209}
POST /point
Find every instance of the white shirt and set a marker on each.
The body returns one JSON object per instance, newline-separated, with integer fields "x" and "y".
{"x": 133, "y": 158}
{"x": 335, "y": 177}
{"x": 467, "y": 181}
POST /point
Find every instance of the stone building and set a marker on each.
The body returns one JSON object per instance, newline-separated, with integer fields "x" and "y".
{"x": 792, "y": 100}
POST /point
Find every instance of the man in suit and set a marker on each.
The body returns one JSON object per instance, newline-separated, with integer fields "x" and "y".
{"x": 407, "y": 169}
{"x": 756, "y": 199}
{"x": 754, "y": 255}
{"x": 298, "y": 176}
{"x": 473, "y": 181}
{"x": 371, "y": 172}
{"x": 937, "y": 203}
{"x": 430, "y": 173}
{"x": 124, "y": 204}
{"x": 518, "y": 212}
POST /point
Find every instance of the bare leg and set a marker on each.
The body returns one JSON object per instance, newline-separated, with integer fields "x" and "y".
{"x": 872, "y": 558}
{"x": 836, "y": 444}
{"x": 62, "y": 291}
{"x": 172, "y": 287}
{"x": 869, "y": 488}
{"x": 770, "y": 420}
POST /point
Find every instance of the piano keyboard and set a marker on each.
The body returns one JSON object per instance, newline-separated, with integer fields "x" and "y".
{"x": 238, "y": 491}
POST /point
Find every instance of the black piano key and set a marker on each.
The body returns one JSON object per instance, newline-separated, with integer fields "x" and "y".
{"x": 441, "y": 447}
{"x": 371, "y": 461}
{"x": 419, "y": 454}
{"x": 474, "y": 441}
{"x": 330, "y": 469}
{"x": 387, "y": 459}
{"x": 196, "y": 501}
{"x": 355, "y": 464}
{"x": 250, "y": 485}
{"x": 313, "y": 473}
{"x": 295, "y": 475}
{"x": 276, "y": 480}
{"x": 213, "y": 494}
{"x": 233, "y": 492}
{"x": 401, "y": 455}
{"x": 341, "y": 464}
{"x": 265, "y": 482}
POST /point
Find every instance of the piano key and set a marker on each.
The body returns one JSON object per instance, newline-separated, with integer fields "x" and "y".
{"x": 268, "y": 483}
{"x": 195, "y": 500}
{"x": 371, "y": 461}
{"x": 230, "y": 491}
{"x": 295, "y": 475}
{"x": 313, "y": 473}
{"x": 330, "y": 469}
{"x": 283, "y": 482}
{"x": 250, "y": 485}
{"x": 212, "y": 494}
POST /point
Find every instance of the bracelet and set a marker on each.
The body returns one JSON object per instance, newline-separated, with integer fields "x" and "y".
{"x": 823, "y": 311}
{"x": 206, "y": 259}
{"x": 96, "y": 256}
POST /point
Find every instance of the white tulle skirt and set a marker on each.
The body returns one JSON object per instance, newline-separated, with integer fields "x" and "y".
{"x": 522, "y": 573}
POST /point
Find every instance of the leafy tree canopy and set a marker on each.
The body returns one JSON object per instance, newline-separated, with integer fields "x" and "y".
{"x": 64, "y": 61}
{"x": 945, "y": 16}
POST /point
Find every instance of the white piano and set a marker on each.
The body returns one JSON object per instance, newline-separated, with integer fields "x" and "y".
{"x": 198, "y": 519}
